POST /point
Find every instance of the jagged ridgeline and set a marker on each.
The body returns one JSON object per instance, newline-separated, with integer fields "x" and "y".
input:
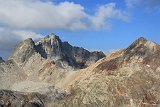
{"x": 40, "y": 68}
{"x": 52, "y": 73}
{"x": 52, "y": 48}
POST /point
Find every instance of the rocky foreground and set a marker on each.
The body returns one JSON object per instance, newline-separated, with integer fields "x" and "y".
{"x": 52, "y": 73}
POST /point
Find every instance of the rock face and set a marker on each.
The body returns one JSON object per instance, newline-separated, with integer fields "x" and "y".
{"x": 16, "y": 99}
{"x": 51, "y": 47}
{"x": 23, "y": 51}
{"x": 25, "y": 99}
{"x": 1, "y": 60}
{"x": 142, "y": 47}
{"x": 10, "y": 73}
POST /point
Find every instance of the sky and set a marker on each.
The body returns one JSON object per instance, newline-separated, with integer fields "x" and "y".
{"x": 104, "y": 25}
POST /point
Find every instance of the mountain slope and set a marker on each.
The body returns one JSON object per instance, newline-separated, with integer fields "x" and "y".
{"x": 40, "y": 67}
{"x": 126, "y": 78}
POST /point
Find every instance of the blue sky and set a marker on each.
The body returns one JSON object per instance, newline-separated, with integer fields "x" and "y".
{"x": 92, "y": 24}
{"x": 143, "y": 21}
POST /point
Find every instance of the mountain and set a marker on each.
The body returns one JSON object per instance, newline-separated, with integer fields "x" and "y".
{"x": 1, "y": 60}
{"x": 52, "y": 48}
{"x": 52, "y": 73}
{"x": 126, "y": 78}
{"x": 23, "y": 51}
{"x": 19, "y": 99}
{"x": 39, "y": 67}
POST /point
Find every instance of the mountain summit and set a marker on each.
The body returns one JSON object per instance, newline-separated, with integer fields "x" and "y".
{"x": 23, "y": 51}
{"x": 142, "y": 45}
{"x": 52, "y": 48}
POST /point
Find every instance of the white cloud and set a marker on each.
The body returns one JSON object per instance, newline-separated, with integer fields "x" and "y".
{"x": 9, "y": 38}
{"x": 33, "y": 14}
{"x": 36, "y": 14}
{"x": 27, "y": 34}
{"x": 107, "y": 11}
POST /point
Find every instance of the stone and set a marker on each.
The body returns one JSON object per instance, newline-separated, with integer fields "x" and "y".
{"x": 23, "y": 51}
{"x": 17, "y": 99}
{"x": 51, "y": 47}
{"x": 1, "y": 60}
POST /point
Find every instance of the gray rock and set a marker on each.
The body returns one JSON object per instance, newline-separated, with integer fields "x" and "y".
{"x": 23, "y": 51}
{"x": 17, "y": 99}
{"x": 51, "y": 47}
{"x": 126, "y": 78}
{"x": 142, "y": 47}
{"x": 10, "y": 73}
{"x": 1, "y": 60}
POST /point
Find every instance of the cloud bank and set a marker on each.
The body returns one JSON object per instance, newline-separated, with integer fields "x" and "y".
{"x": 20, "y": 19}
{"x": 36, "y": 14}
{"x": 9, "y": 38}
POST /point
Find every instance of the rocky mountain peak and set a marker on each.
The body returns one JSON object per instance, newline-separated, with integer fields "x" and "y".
{"x": 28, "y": 41}
{"x": 23, "y": 51}
{"x": 142, "y": 45}
{"x": 137, "y": 43}
{"x": 50, "y": 39}
{"x": 140, "y": 51}
{"x": 52, "y": 48}
{"x": 141, "y": 39}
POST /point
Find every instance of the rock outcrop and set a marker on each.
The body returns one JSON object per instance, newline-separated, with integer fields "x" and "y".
{"x": 140, "y": 51}
{"x": 10, "y": 73}
{"x": 17, "y": 99}
{"x": 1, "y": 60}
{"x": 51, "y": 47}
{"x": 23, "y": 51}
